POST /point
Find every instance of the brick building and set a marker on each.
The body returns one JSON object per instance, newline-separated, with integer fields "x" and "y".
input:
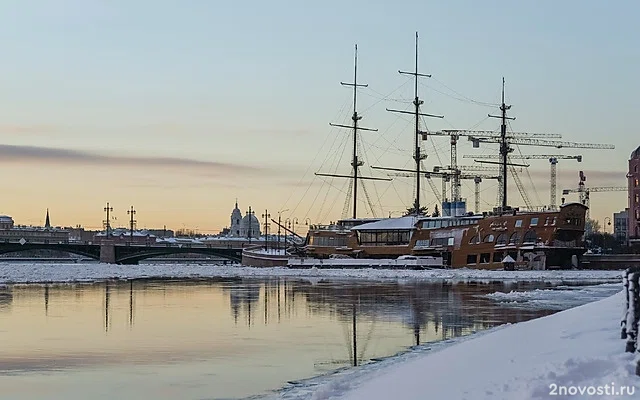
{"x": 634, "y": 199}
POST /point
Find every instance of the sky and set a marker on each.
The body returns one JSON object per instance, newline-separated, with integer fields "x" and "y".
{"x": 180, "y": 108}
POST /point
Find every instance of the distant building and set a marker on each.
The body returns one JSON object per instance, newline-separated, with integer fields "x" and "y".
{"x": 620, "y": 225}
{"x": 122, "y": 235}
{"x": 244, "y": 227}
{"x": 634, "y": 198}
{"x": 9, "y": 232}
{"x": 6, "y": 222}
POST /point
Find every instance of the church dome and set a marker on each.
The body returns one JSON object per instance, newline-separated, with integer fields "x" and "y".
{"x": 635, "y": 154}
{"x": 254, "y": 219}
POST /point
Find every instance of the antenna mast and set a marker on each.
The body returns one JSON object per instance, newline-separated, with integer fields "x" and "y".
{"x": 504, "y": 147}
{"x": 355, "y": 162}
{"x": 417, "y": 103}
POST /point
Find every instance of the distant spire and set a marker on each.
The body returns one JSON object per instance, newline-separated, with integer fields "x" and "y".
{"x": 47, "y": 223}
{"x": 236, "y": 202}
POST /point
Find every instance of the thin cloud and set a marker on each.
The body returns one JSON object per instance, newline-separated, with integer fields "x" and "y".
{"x": 26, "y": 129}
{"x": 19, "y": 153}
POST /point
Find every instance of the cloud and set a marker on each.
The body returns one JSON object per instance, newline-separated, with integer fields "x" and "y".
{"x": 26, "y": 129}
{"x": 35, "y": 154}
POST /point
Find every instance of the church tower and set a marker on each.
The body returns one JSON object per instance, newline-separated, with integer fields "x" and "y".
{"x": 47, "y": 223}
{"x": 236, "y": 217}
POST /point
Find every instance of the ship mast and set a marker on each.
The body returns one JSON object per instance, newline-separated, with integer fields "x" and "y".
{"x": 504, "y": 147}
{"x": 417, "y": 156}
{"x": 355, "y": 162}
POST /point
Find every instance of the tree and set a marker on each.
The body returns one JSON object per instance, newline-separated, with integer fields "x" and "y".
{"x": 412, "y": 211}
{"x": 436, "y": 212}
{"x": 591, "y": 226}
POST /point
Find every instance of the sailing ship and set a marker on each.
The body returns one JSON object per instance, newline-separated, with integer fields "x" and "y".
{"x": 506, "y": 237}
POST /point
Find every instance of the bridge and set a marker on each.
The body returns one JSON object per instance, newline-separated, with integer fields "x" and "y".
{"x": 126, "y": 253}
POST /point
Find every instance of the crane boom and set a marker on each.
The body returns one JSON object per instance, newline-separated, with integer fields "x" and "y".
{"x": 525, "y": 157}
{"x": 544, "y": 143}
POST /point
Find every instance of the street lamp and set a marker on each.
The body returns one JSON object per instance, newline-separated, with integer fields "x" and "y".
{"x": 249, "y": 214}
{"x": 266, "y": 217}
{"x": 279, "y": 223}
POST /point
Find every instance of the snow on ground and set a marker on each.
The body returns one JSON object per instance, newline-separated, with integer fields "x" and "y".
{"x": 72, "y": 272}
{"x": 576, "y": 352}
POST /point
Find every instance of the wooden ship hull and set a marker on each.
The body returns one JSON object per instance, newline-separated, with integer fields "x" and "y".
{"x": 534, "y": 240}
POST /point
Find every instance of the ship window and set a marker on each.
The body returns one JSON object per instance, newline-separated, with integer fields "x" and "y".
{"x": 502, "y": 239}
{"x": 472, "y": 258}
{"x": 474, "y": 240}
{"x": 484, "y": 258}
{"x": 489, "y": 238}
{"x": 637, "y": 198}
{"x": 515, "y": 238}
{"x": 554, "y": 220}
{"x": 451, "y": 241}
{"x": 635, "y": 183}
{"x": 518, "y": 223}
{"x": 497, "y": 257}
{"x": 530, "y": 237}
{"x": 534, "y": 221}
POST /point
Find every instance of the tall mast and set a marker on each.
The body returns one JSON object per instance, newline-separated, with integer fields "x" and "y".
{"x": 417, "y": 156}
{"x": 355, "y": 163}
{"x": 504, "y": 146}
{"x": 355, "y": 118}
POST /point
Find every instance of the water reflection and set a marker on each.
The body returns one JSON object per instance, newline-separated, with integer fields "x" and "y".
{"x": 217, "y": 333}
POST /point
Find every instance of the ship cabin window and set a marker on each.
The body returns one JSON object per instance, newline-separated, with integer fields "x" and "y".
{"x": 554, "y": 221}
{"x": 497, "y": 257}
{"x": 637, "y": 198}
{"x": 489, "y": 238}
{"x": 475, "y": 240}
{"x": 635, "y": 183}
{"x": 472, "y": 258}
{"x": 515, "y": 238}
{"x": 530, "y": 237}
{"x": 502, "y": 239}
{"x": 440, "y": 242}
{"x": 328, "y": 241}
{"x": 573, "y": 221}
{"x": 518, "y": 223}
{"x": 534, "y": 221}
{"x": 385, "y": 238}
{"x": 485, "y": 258}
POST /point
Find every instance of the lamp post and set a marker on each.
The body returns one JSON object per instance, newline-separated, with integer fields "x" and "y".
{"x": 607, "y": 223}
{"x": 294, "y": 222}
{"x": 266, "y": 217}
{"x": 279, "y": 223}
{"x": 250, "y": 213}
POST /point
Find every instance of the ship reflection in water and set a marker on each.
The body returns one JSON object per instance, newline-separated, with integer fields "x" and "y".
{"x": 221, "y": 338}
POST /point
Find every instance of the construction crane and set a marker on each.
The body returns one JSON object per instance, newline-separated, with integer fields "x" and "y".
{"x": 455, "y": 134}
{"x": 585, "y": 191}
{"x": 553, "y": 161}
{"x": 446, "y": 177}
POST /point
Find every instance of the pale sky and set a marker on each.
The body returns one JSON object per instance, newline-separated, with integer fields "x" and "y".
{"x": 180, "y": 107}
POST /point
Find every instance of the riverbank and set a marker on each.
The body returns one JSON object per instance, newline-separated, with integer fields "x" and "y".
{"x": 577, "y": 352}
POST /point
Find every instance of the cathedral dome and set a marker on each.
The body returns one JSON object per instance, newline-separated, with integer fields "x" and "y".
{"x": 254, "y": 220}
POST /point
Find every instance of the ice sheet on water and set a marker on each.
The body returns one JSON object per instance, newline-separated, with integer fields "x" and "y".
{"x": 557, "y": 298}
